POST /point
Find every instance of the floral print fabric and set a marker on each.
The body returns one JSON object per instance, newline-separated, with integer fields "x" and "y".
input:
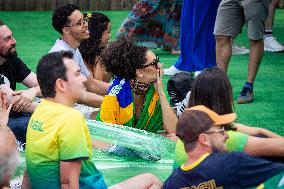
{"x": 155, "y": 21}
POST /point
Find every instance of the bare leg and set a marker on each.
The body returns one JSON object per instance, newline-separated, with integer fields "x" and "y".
{"x": 270, "y": 17}
{"x": 223, "y": 51}
{"x": 100, "y": 145}
{"x": 143, "y": 181}
{"x": 256, "y": 52}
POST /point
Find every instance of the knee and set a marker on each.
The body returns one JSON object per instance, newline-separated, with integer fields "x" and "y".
{"x": 222, "y": 40}
{"x": 155, "y": 180}
{"x": 256, "y": 42}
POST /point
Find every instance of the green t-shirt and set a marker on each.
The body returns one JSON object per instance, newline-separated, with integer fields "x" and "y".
{"x": 235, "y": 142}
{"x": 59, "y": 133}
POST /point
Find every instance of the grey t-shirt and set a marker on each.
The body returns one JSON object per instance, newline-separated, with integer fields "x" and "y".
{"x": 61, "y": 45}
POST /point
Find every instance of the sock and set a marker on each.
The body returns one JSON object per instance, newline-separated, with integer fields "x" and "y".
{"x": 249, "y": 85}
{"x": 268, "y": 33}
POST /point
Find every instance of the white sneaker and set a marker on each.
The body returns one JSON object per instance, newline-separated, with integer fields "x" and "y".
{"x": 196, "y": 73}
{"x": 272, "y": 45}
{"x": 172, "y": 71}
{"x": 238, "y": 50}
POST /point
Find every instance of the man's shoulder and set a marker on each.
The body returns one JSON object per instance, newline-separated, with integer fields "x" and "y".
{"x": 14, "y": 59}
{"x": 59, "y": 45}
{"x": 176, "y": 180}
{"x": 58, "y": 109}
{"x": 226, "y": 155}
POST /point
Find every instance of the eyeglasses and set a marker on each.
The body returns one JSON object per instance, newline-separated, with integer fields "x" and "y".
{"x": 222, "y": 131}
{"x": 80, "y": 23}
{"x": 155, "y": 63}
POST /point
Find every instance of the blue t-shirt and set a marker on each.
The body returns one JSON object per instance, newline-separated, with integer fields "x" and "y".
{"x": 233, "y": 170}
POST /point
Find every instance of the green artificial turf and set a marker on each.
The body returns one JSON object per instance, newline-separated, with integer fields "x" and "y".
{"x": 35, "y": 36}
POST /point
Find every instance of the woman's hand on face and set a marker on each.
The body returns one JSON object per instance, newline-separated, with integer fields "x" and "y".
{"x": 161, "y": 69}
{"x": 158, "y": 84}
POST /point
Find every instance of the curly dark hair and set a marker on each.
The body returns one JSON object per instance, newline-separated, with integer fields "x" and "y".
{"x": 90, "y": 48}
{"x": 123, "y": 57}
{"x": 60, "y": 16}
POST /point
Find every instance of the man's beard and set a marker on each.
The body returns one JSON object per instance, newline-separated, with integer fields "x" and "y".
{"x": 218, "y": 149}
{"x": 10, "y": 53}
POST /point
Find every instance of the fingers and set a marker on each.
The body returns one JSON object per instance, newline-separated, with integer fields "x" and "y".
{"x": 9, "y": 108}
{"x": 15, "y": 93}
{"x": 21, "y": 105}
{"x": 3, "y": 101}
{"x": 4, "y": 107}
{"x": 161, "y": 69}
{"x": 21, "y": 100}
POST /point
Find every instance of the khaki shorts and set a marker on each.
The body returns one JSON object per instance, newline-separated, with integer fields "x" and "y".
{"x": 233, "y": 14}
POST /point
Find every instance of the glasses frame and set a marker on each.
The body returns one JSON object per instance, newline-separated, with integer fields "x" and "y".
{"x": 222, "y": 130}
{"x": 155, "y": 62}
{"x": 80, "y": 23}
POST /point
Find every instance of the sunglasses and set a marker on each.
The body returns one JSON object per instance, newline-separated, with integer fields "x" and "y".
{"x": 154, "y": 63}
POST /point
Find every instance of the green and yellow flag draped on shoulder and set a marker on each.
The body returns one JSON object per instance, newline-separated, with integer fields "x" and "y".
{"x": 118, "y": 107}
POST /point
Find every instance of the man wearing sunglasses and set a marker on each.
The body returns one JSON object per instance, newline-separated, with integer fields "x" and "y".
{"x": 209, "y": 165}
{"x": 73, "y": 27}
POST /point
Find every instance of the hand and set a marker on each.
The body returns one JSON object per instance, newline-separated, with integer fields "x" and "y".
{"x": 161, "y": 69}
{"x": 23, "y": 99}
{"x": 8, "y": 91}
{"x": 158, "y": 84}
{"x": 4, "y": 109}
{"x": 172, "y": 136}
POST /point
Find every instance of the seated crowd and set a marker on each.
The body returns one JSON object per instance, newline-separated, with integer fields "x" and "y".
{"x": 212, "y": 151}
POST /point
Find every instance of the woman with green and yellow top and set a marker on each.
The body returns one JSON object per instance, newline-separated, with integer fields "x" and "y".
{"x": 136, "y": 97}
{"x": 212, "y": 88}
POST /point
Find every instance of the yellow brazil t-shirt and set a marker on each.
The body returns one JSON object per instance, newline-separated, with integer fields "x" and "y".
{"x": 59, "y": 133}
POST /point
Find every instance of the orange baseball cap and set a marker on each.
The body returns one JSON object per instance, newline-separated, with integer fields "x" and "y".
{"x": 216, "y": 118}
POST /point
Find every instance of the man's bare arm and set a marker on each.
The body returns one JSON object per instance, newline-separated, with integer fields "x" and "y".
{"x": 31, "y": 80}
{"x": 91, "y": 99}
{"x": 96, "y": 86}
{"x": 69, "y": 174}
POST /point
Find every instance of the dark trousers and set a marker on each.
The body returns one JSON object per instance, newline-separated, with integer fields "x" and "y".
{"x": 18, "y": 125}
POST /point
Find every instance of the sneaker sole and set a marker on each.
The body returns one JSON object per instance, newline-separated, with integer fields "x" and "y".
{"x": 244, "y": 101}
{"x": 171, "y": 74}
{"x": 276, "y": 51}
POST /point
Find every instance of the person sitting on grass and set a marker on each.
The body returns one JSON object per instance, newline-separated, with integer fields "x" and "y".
{"x": 136, "y": 97}
{"x": 59, "y": 147}
{"x": 99, "y": 27}
{"x": 212, "y": 89}
{"x": 73, "y": 28}
{"x": 209, "y": 165}
{"x": 13, "y": 71}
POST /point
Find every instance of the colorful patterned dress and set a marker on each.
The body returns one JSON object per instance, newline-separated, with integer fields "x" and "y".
{"x": 156, "y": 21}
